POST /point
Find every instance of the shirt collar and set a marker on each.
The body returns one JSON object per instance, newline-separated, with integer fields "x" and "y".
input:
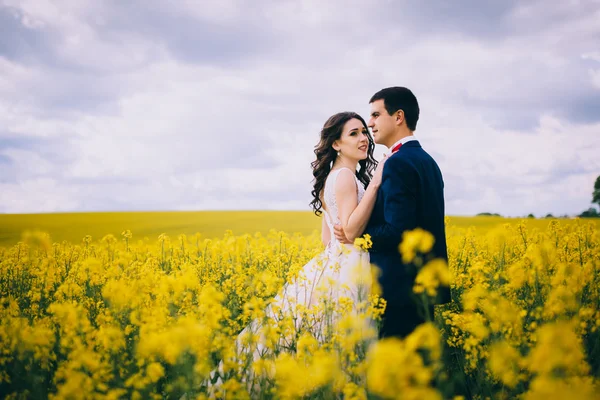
{"x": 404, "y": 140}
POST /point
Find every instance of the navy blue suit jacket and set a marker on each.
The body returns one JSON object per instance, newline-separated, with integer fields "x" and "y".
{"x": 411, "y": 195}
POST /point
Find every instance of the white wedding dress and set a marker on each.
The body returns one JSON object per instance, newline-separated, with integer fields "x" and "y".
{"x": 340, "y": 273}
{"x": 334, "y": 284}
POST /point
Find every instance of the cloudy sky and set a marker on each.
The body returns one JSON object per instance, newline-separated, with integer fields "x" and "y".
{"x": 198, "y": 105}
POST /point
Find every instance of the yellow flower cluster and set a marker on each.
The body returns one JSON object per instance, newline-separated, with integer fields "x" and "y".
{"x": 128, "y": 318}
{"x": 524, "y": 318}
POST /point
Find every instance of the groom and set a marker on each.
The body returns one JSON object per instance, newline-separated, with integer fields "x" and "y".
{"x": 410, "y": 196}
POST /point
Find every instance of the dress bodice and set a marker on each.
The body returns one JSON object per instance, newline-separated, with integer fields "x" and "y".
{"x": 331, "y": 214}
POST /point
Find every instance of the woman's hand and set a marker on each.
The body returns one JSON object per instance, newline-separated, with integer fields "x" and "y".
{"x": 340, "y": 235}
{"x": 376, "y": 181}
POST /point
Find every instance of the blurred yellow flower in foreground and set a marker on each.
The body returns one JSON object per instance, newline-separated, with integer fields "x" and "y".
{"x": 413, "y": 242}
{"x": 431, "y": 276}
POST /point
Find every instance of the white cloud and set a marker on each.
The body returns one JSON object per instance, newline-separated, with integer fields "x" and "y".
{"x": 38, "y": 195}
{"x": 594, "y": 55}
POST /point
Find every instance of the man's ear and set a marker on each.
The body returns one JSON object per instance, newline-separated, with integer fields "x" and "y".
{"x": 399, "y": 117}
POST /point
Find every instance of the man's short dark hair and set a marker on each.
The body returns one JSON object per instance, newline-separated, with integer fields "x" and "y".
{"x": 400, "y": 98}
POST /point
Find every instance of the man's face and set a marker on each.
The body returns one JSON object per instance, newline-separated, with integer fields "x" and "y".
{"x": 381, "y": 123}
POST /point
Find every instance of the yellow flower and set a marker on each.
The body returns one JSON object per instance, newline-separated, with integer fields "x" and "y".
{"x": 37, "y": 238}
{"x": 297, "y": 378}
{"x": 396, "y": 371}
{"x": 352, "y": 391}
{"x": 155, "y": 371}
{"x": 431, "y": 276}
{"x": 504, "y": 363}
{"x": 544, "y": 388}
{"x": 471, "y": 297}
{"x": 307, "y": 345}
{"x": 558, "y": 350}
{"x": 364, "y": 242}
{"x": 413, "y": 242}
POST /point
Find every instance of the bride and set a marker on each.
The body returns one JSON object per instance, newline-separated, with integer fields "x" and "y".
{"x": 337, "y": 282}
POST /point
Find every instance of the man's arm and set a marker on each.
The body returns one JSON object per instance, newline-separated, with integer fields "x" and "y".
{"x": 400, "y": 205}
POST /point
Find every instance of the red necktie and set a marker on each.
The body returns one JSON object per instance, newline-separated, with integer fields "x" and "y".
{"x": 396, "y": 148}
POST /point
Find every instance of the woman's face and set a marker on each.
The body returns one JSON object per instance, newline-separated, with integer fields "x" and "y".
{"x": 354, "y": 142}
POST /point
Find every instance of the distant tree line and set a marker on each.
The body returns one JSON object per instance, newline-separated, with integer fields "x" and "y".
{"x": 549, "y": 215}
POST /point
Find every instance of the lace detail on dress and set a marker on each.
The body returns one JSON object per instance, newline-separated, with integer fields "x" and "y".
{"x": 331, "y": 215}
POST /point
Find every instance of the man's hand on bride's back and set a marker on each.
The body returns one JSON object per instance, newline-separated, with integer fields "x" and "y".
{"x": 339, "y": 234}
{"x": 376, "y": 181}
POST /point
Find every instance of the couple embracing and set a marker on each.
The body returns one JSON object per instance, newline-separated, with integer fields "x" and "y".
{"x": 358, "y": 196}
{"x": 406, "y": 192}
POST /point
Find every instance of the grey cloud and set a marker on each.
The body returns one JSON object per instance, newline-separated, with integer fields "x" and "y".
{"x": 76, "y": 92}
{"x": 6, "y": 161}
{"x": 515, "y": 94}
{"x": 485, "y": 19}
{"x": 245, "y": 152}
{"x": 106, "y": 181}
{"x": 187, "y": 37}
{"x": 456, "y": 187}
{"x": 513, "y": 197}
{"x": 523, "y": 59}
{"x": 27, "y": 157}
{"x": 59, "y": 150}
{"x": 489, "y": 20}
{"x": 23, "y": 44}
{"x": 521, "y": 109}
{"x": 20, "y": 142}
{"x": 160, "y": 194}
{"x": 63, "y": 93}
{"x": 565, "y": 170}
{"x": 581, "y": 108}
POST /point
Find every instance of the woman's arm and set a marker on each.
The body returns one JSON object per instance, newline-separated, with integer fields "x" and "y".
{"x": 325, "y": 233}
{"x": 353, "y": 215}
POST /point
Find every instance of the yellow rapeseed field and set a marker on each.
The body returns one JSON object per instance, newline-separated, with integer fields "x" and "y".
{"x": 156, "y": 314}
{"x": 210, "y": 224}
